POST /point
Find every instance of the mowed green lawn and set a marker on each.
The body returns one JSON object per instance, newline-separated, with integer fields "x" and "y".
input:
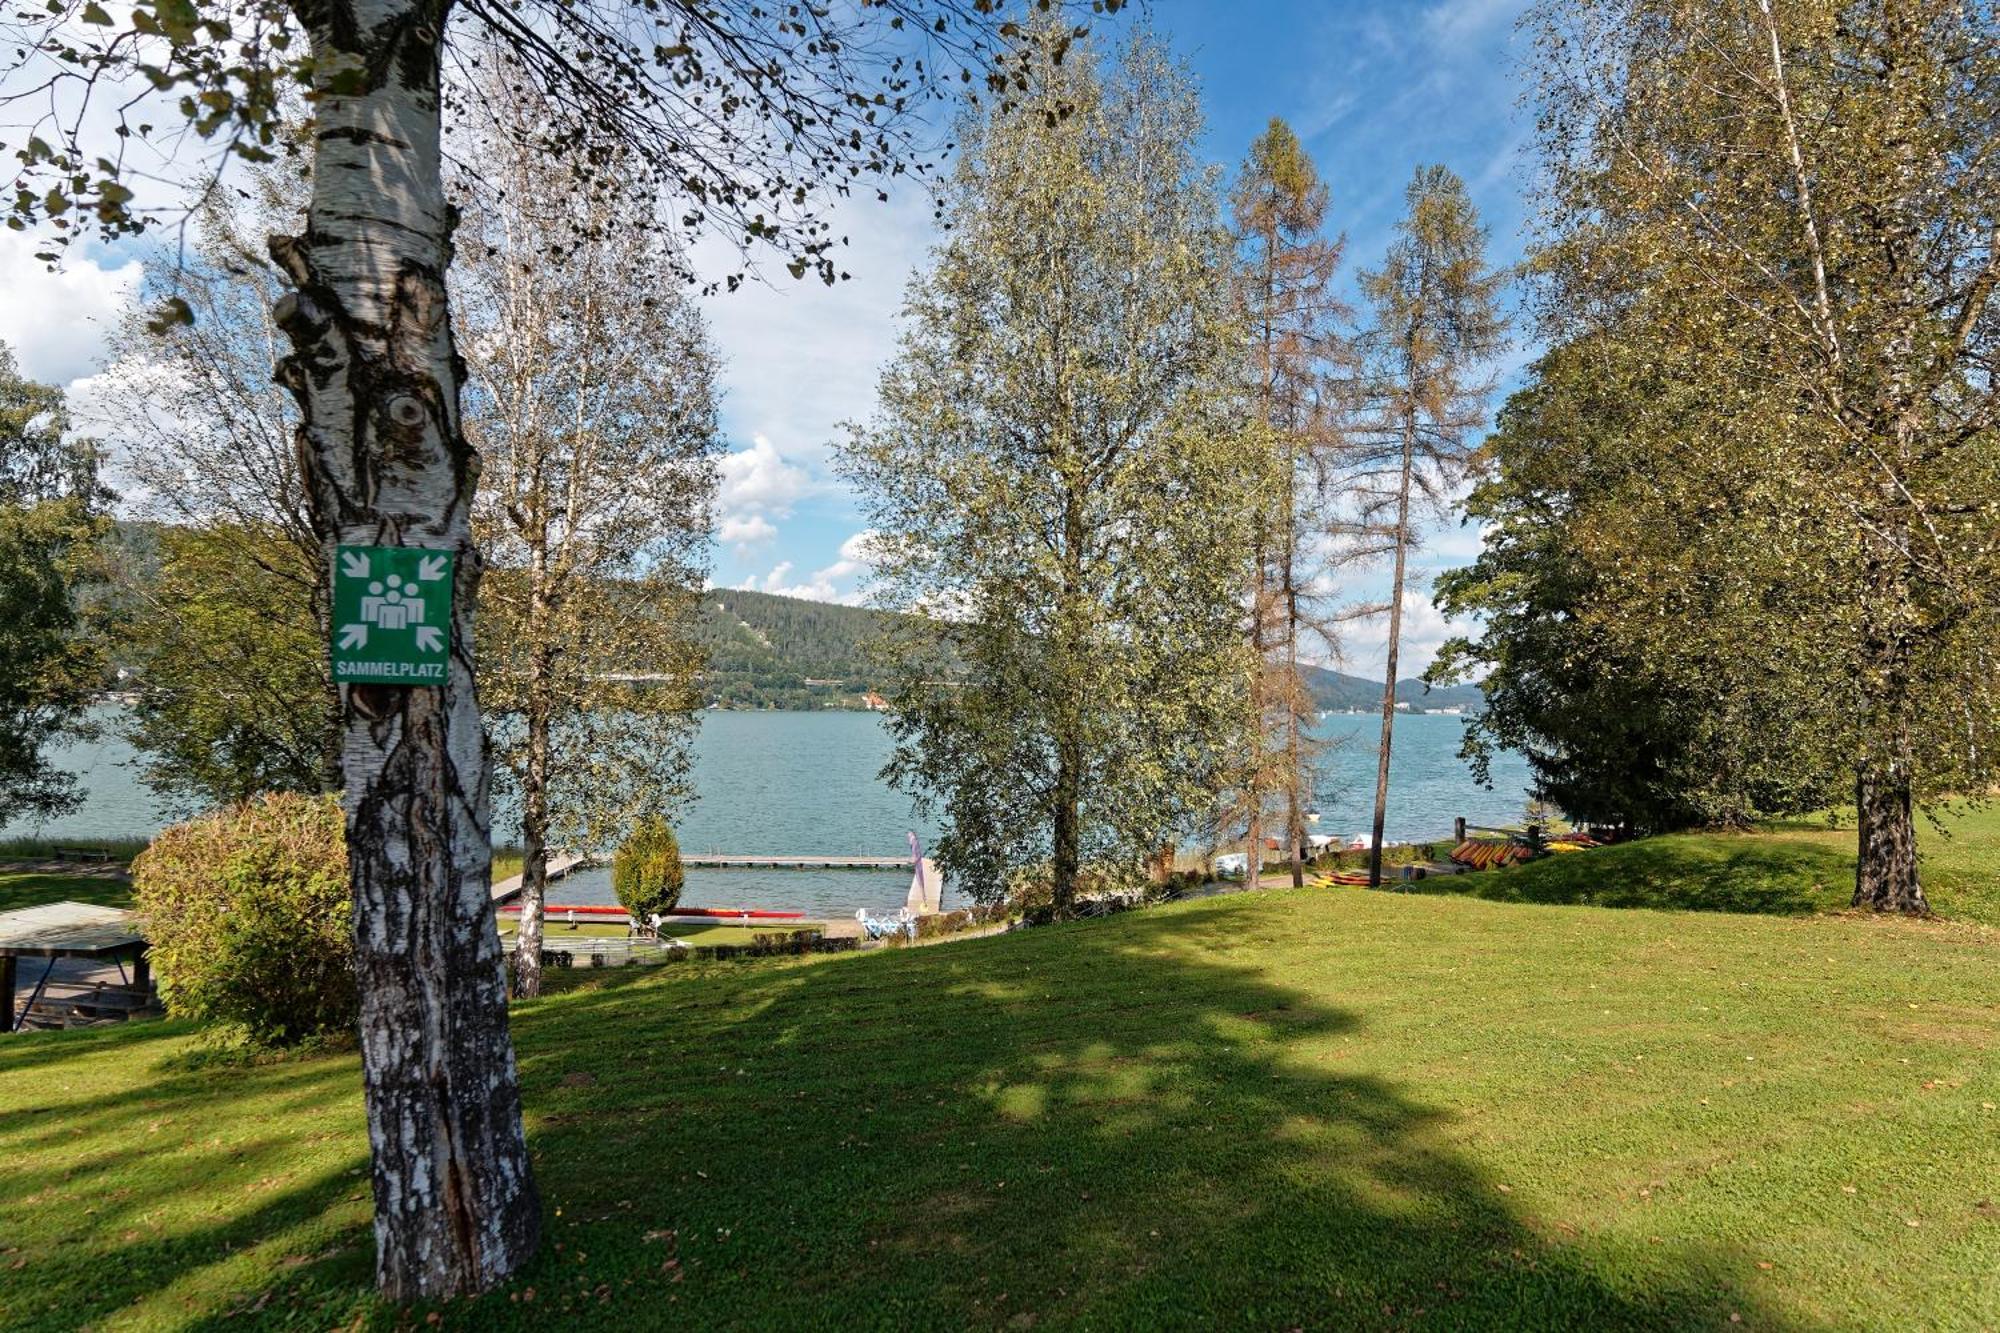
{"x": 34, "y": 888}
{"x": 1792, "y": 868}
{"x": 1327, "y": 1108}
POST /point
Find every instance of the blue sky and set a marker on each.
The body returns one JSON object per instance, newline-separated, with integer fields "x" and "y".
{"x": 1374, "y": 88}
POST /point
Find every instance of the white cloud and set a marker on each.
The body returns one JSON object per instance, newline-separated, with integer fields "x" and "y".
{"x": 801, "y": 357}
{"x": 56, "y": 322}
{"x": 857, "y": 556}
{"x": 1456, "y": 23}
{"x": 744, "y": 531}
{"x": 1424, "y": 629}
{"x": 759, "y": 480}
{"x": 837, "y": 582}
{"x": 778, "y": 582}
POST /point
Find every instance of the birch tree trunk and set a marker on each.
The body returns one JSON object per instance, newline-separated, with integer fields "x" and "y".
{"x": 377, "y": 379}
{"x": 535, "y": 817}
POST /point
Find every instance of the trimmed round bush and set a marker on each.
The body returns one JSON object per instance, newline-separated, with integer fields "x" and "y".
{"x": 248, "y": 913}
{"x": 646, "y": 871}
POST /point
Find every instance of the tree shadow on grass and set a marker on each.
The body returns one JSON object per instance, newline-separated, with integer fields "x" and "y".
{"x": 1100, "y": 1124}
{"x": 193, "y": 1191}
{"x": 1093, "y": 1124}
{"x": 1677, "y": 872}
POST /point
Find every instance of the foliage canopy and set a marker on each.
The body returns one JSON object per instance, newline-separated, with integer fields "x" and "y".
{"x": 247, "y": 910}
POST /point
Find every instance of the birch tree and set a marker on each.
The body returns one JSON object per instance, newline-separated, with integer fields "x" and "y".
{"x": 1056, "y": 480}
{"x": 1794, "y": 206}
{"x": 744, "y": 116}
{"x": 592, "y": 402}
{"x": 1292, "y": 316}
{"x": 1421, "y": 397}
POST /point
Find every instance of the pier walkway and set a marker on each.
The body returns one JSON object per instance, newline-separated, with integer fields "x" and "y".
{"x": 558, "y": 867}
{"x": 719, "y": 861}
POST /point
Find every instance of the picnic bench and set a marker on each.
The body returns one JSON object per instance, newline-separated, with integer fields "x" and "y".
{"x": 78, "y": 931}
{"x": 85, "y": 854}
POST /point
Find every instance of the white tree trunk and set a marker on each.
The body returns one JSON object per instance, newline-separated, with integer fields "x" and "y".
{"x": 377, "y": 379}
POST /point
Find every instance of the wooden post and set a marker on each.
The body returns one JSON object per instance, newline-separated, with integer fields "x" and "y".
{"x": 1458, "y": 830}
{"x": 6, "y": 992}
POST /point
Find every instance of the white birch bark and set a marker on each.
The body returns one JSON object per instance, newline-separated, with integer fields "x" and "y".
{"x": 377, "y": 378}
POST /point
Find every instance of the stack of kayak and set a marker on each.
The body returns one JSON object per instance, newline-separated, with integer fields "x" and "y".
{"x": 1491, "y": 854}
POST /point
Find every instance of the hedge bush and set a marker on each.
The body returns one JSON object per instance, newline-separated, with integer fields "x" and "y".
{"x": 249, "y": 918}
{"x": 646, "y": 871}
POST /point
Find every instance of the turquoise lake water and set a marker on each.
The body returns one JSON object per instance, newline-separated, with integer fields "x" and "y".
{"x": 805, "y": 783}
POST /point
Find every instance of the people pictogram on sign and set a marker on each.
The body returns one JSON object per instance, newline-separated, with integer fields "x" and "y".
{"x": 392, "y": 604}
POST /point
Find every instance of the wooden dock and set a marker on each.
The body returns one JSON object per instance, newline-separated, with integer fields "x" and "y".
{"x": 563, "y": 864}
{"x": 719, "y": 861}
{"x": 558, "y": 867}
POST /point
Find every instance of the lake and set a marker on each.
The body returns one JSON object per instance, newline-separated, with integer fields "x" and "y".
{"x": 805, "y": 783}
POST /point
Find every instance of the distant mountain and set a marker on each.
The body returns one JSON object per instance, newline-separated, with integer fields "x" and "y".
{"x": 767, "y": 651}
{"x": 1338, "y": 692}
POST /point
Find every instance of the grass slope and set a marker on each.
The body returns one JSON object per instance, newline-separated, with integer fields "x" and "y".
{"x": 33, "y": 888}
{"x": 1332, "y": 1108}
{"x": 1789, "y": 870}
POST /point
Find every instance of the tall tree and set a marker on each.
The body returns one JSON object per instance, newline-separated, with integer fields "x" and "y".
{"x": 592, "y": 402}
{"x": 50, "y": 522}
{"x": 1797, "y": 206}
{"x": 1613, "y": 734}
{"x": 1055, "y": 480}
{"x": 232, "y": 663}
{"x": 745, "y": 117}
{"x": 1292, "y": 316}
{"x": 1420, "y": 397}
{"x": 210, "y": 441}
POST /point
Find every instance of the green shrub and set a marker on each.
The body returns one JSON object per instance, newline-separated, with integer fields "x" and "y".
{"x": 646, "y": 871}
{"x": 248, "y": 914}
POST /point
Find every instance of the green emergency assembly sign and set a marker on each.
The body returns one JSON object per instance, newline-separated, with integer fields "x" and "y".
{"x": 391, "y": 615}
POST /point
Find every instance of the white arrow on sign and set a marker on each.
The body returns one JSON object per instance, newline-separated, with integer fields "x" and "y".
{"x": 354, "y": 636}
{"x": 429, "y": 639}
{"x": 356, "y": 565}
{"x": 430, "y": 568}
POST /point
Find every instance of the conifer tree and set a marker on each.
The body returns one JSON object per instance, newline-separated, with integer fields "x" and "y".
{"x": 1421, "y": 396}
{"x": 1292, "y": 316}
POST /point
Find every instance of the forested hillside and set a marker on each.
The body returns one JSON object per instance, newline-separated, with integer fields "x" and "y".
{"x": 784, "y": 652}
{"x": 766, "y": 651}
{"x": 1338, "y": 692}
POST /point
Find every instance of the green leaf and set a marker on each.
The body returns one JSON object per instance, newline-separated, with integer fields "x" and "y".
{"x": 177, "y": 19}
{"x": 171, "y": 313}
